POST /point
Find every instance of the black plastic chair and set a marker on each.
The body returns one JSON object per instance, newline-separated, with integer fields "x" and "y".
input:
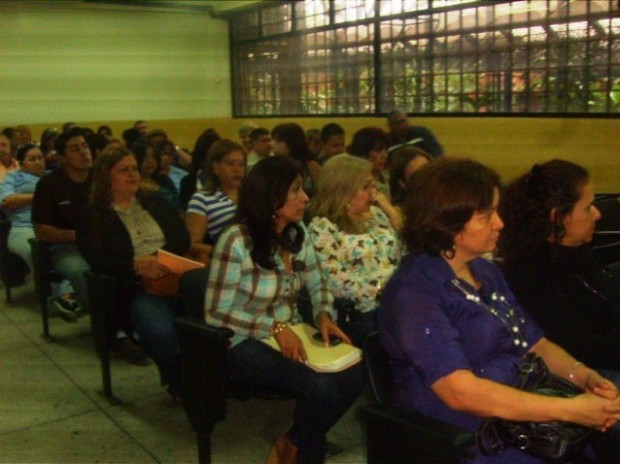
{"x": 42, "y": 272}
{"x": 204, "y": 372}
{"x": 607, "y": 235}
{"x": 397, "y": 436}
{"x": 102, "y": 303}
{"x": 13, "y": 269}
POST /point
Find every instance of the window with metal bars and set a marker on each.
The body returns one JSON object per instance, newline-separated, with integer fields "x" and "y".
{"x": 367, "y": 57}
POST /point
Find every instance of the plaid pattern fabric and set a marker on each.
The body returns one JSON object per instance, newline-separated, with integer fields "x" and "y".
{"x": 248, "y": 298}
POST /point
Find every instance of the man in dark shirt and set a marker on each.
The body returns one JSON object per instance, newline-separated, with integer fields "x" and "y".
{"x": 58, "y": 208}
{"x": 401, "y": 133}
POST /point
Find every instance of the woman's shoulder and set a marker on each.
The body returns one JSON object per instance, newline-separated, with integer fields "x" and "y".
{"x": 322, "y": 224}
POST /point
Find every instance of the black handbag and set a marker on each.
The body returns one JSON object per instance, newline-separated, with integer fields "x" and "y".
{"x": 555, "y": 441}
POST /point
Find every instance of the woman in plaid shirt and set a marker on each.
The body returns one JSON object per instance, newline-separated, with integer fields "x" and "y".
{"x": 257, "y": 268}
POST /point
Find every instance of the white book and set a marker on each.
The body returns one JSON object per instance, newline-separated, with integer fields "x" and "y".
{"x": 322, "y": 358}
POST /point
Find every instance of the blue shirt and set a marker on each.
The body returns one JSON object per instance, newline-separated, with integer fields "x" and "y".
{"x": 430, "y": 329}
{"x": 16, "y": 182}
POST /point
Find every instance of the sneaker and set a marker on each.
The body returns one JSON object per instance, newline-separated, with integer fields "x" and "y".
{"x": 131, "y": 352}
{"x": 67, "y": 308}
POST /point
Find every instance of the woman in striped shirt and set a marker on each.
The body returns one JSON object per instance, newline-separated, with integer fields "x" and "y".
{"x": 212, "y": 209}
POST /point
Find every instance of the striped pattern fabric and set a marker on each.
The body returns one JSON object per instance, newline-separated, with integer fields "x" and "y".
{"x": 217, "y": 207}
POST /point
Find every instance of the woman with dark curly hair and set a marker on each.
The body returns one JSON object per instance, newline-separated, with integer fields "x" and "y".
{"x": 404, "y": 162}
{"x": 550, "y": 219}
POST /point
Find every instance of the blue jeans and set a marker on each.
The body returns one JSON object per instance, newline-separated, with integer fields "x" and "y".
{"x": 68, "y": 262}
{"x": 153, "y": 316}
{"x": 18, "y": 244}
{"x": 322, "y": 399}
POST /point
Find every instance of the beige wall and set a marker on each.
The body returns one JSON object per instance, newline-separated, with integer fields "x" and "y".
{"x": 65, "y": 61}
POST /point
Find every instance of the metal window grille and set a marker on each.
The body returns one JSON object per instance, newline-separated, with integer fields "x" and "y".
{"x": 356, "y": 57}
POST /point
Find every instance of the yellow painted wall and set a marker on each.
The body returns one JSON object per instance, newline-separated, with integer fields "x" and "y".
{"x": 66, "y": 60}
{"x": 509, "y": 145}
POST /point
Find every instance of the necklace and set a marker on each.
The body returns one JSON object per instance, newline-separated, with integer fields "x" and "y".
{"x": 502, "y": 311}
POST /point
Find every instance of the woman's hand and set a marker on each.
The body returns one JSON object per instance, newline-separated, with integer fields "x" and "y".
{"x": 328, "y": 327}
{"x": 291, "y": 346}
{"x": 147, "y": 266}
{"x": 595, "y": 411}
{"x": 600, "y": 386}
{"x": 393, "y": 213}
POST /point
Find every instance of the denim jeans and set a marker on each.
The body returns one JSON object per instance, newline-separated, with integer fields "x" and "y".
{"x": 68, "y": 262}
{"x": 153, "y": 317}
{"x": 322, "y": 399}
{"x": 18, "y": 244}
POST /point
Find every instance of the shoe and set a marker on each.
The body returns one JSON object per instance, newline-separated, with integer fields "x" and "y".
{"x": 67, "y": 308}
{"x": 131, "y": 352}
{"x": 283, "y": 451}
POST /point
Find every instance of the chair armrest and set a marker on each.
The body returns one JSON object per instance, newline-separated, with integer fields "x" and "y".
{"x": 203, "y": 371}
{"x": 397, "y": 435}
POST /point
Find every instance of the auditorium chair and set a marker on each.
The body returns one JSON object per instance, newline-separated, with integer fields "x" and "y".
{"x": 13, "y": 269}
{"x": 398, "y": 436}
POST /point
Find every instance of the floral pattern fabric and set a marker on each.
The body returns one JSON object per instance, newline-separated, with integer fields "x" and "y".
{"x": 357, "y": 266}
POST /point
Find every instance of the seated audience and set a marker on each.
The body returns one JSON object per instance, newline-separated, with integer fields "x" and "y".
{"x": 121, "y": 232}
{"x": 289, "y": 140}
{"x": 7, "y": 162}
{"x": 48, "y": 144}
{"x": 262, "y": 146}
{"x": 354, "y": 231}
{"x": 332, "y": 136}
{"x": 142, "y": 127}
{"x": 403, "y": 163}
{"x": 106, "y": 131}
{"x": 131, "y": 136}
{"x": 550, "y": 219}
{"x": 158, "y": 138}
{"x": 453, "y": 330}
{"x": 401, "y": 133}
{"x": 96, "y": 144}
{"x": 195, "y": 180}
{"x": 244, "y": 135}
{"x": 167, "y": 153}
{"x": 370, "y": 143}
{"x": 314, "y": 142}
{"x": 212, "y": 209}
{"x": 258, "y": 267}
{"x": 149, "y": 163}
{"x": 16, "y": 195}
{"x": 58, "y": 209}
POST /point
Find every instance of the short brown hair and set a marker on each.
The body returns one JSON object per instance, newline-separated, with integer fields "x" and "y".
{"x": 442, "y": 197}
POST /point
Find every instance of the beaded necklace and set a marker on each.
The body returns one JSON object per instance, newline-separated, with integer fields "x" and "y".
{"x": 501, "y": 310}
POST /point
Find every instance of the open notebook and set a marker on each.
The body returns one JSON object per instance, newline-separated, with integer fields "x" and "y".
{"x": 322, "y": 358}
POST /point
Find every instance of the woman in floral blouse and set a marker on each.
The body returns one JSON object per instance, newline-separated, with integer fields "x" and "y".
{"x": 354, "y": 231}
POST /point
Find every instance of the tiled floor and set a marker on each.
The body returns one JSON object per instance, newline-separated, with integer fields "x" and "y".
{"x": 51, "y": 410}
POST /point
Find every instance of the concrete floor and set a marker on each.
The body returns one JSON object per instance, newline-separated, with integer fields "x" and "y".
{"x": 51, "y": 410}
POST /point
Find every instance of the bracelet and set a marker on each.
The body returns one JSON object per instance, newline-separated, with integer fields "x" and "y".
{"x": 571, "y": 373}
{"x": 277, "y": 327}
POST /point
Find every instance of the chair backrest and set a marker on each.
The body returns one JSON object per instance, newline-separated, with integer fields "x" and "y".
{"x": 13, "y": 269}
{"x": 607, "y": 238}
{"x": 192, "y": 287}
{"x": 378, "y": 369}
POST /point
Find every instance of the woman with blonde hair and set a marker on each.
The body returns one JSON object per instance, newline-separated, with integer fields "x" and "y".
{"x": 354, "y": 230}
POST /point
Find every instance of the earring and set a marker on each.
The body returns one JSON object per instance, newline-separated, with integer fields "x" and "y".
{"x": 449, "y": 253}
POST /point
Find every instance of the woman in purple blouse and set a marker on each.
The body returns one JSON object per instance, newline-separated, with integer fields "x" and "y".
{"x": 451, "y": 326}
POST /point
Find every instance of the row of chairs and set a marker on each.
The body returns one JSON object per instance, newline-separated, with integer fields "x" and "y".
{"x": 393, "y": 435}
